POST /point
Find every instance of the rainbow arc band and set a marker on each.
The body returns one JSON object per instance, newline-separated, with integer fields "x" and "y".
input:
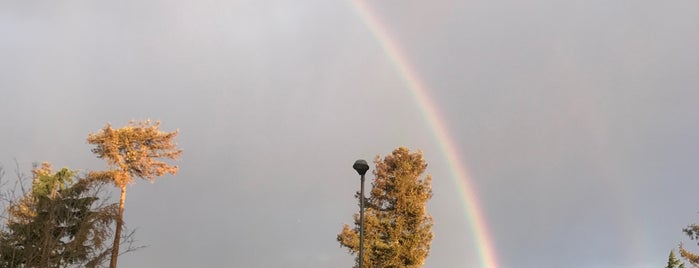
{"x": 458, "y": 168}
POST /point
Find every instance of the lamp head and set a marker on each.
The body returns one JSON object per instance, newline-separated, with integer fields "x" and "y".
{"x": 360, "y": 166}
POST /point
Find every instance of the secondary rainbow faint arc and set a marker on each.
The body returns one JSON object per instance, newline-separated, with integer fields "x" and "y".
{"x": 438, "y": 126}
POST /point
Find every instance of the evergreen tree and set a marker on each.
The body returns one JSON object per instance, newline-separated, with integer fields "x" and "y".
{"x": 59, "y": 223}
{"x": 133, "y": 151}
{"x": 693, "y": 232}
{"x": 397, "y": 227}
{"x": 673, "y": 262}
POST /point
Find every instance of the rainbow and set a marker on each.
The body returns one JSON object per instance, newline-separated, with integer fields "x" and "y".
{"x": 446, "y": 143}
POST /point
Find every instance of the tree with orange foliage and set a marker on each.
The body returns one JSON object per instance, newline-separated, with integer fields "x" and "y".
{"x": 397, "y": 227}
{"x": 693, "y": 232}
{"x": 133, "y": 151}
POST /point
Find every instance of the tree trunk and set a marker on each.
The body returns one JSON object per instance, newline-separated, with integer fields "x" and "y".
{"x": 117, "y": 233}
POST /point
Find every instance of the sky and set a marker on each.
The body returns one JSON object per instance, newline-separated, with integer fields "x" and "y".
{"x": 568, "y": 129}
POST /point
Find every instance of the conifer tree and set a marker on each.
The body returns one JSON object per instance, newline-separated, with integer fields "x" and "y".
{"x": 693, "y": 232}
{"x": 134, "y": 151}
{"x": 397, "y": 227}
{"x": 673, "y": 262}
{"x": 59, "y": 223}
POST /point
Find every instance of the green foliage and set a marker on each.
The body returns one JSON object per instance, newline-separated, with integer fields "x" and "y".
{"x": 673, "y": 262}
{"x": 397, "y": 227}
{"x": 45, "y": 183}
{"x": 59, "y": 223}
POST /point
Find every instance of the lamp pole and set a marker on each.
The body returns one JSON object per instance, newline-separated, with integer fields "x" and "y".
{"x": 361, "y": 167}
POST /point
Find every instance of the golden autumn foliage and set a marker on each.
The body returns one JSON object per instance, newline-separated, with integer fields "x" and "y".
{"x": 135, "y": 150}
{"x": 397, "y": 227}
{"x": 693, "y": 232}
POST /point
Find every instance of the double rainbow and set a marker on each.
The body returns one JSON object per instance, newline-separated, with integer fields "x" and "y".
{"x": 446, "y": 143}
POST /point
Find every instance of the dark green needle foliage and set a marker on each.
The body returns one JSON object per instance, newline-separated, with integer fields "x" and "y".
{"x": 673, "y": 262}
{"x": 60, "y": 222}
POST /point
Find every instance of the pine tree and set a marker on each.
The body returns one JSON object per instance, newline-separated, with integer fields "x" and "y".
{"x": 133, "y": 151}
{"x": 673, "y": 262}
{"x": 59, "y": 223}
{"x": 693, "y": 232}
{"x": 397, "y": 227}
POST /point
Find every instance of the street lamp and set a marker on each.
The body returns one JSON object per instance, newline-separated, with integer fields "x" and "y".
{"x": 361, "y": 167}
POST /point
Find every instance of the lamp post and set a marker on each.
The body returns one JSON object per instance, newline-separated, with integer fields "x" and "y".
{"x": 361, "y": 167}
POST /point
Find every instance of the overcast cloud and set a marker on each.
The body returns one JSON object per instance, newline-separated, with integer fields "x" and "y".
{"x": 578, "y": 121}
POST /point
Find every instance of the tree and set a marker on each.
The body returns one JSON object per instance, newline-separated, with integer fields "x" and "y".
{"x": 693, "y": 232}
{"x": 59, "y": 223}
{"x": 133, "y": 151}
{"x": 673, "y": 262}
{"x": 397, "y": 227}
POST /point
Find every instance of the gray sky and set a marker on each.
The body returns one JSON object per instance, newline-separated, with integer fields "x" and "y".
{"x": 578, "y": 121}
